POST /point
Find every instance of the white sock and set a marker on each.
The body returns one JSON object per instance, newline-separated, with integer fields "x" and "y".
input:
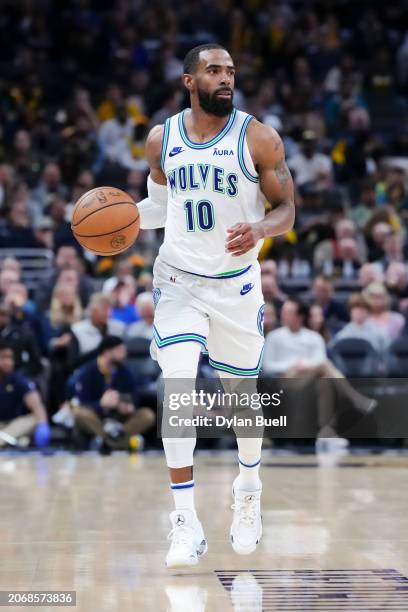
{"x": 249, "y": 457}
{"x": 183, "y": 494}
{"x": 248, "y": 478}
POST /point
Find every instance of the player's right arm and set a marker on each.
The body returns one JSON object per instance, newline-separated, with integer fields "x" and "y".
{"x": 153, "y": 209}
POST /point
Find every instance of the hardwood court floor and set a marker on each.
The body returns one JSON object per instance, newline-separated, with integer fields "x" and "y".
{"x": 98, "y": 525}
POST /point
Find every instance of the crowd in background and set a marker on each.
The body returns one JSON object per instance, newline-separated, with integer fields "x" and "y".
{"x": 81, "y": 84}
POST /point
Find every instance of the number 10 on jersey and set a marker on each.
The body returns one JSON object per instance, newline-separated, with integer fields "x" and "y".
{"x": 199, "y": 215}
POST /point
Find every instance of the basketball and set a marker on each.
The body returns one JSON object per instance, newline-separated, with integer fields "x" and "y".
{"x": 105, "y": 221}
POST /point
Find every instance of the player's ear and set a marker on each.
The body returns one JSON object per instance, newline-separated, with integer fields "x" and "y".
{"x": 188, "y": 81}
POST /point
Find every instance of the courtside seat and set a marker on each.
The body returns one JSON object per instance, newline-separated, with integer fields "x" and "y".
{"x": 355, "y": 358}
{"x": 397, "y": 358}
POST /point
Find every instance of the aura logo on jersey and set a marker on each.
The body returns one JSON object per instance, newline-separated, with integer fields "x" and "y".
{"x": 204, "y": 177}
{"x": 227, "y": 152}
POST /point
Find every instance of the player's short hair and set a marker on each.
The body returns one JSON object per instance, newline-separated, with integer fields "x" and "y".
{"x": 193, "y": 56}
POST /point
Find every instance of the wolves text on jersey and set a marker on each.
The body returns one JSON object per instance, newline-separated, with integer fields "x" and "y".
{"x": 203, "y": 176}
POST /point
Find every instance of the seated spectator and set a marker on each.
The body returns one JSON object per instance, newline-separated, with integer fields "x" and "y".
{"x": 145, "y": 308}
{"x": 56, "y": 211}
{"x": 44, "y": 233}
{"x": 293, "y": 351}
{"x": 50, "y": 184}
{"x": 329, "y": 253}
{"x": 396, "y": 281}
{"x": 309, "y": 166}
{"x": 25, "y": 313}
{"x": 66, "y": 258}
{"x": 65, "y": 310}
{"x": 361, "y": 213}
{"x": 123, "y": 301}
{"x": 27, "y": 354}
{"x": 270, "y": 321}
{"x": 105, "y": 400}
{"x": 21, "y": 409}
{"x": 88, "y": 334}
{"x": 316, "y": 322}
{"x": 394, "y": 249}
{"x": 390, "y": 323}
{"x": 376, "y": 240}
{"x": 16, "y": 232}
{"x": 270, "y": 288}
{"x": 8, "y": 278}
{"x": 359, "y": 326}
{"x": 370, "y": 273}
{"x": 347, "y": 263}
{"x": 322, "y": 294}
{"x": 11, "y": 263}
{"x": 123, "y": 268}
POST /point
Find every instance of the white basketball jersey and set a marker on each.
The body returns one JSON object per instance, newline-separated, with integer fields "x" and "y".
{"x": 211, "y": 186}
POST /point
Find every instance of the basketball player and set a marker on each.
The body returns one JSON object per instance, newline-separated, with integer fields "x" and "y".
{"x": 212, "y": 168}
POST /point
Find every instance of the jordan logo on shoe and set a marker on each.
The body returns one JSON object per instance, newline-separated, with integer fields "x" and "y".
{"x": 180, "y": 520}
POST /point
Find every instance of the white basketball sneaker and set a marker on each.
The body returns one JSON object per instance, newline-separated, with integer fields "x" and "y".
{"x": 246, "y": 528}
{"x": 188, "y": 542}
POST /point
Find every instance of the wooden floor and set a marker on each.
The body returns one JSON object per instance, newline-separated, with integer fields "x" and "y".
{"x": 335, "y": 537}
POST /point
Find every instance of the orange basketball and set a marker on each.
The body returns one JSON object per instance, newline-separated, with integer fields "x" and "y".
{"x": 106, "y": 221}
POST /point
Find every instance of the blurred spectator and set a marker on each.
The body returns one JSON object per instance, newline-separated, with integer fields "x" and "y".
{"x": 316, "y": 322}
{"x": 21, "y": 338}
{"x": 270, "y": 318}
{"x": 361, "y": 213}
{"x": 376, "y": 240}
{"x": 65, "y": 310}
{"x": 115, "y": 138}
{"x": 309, "y": 166}
{"x": 57, "y": 210}
{"x": 123, "y": 301}
{"x": 66, "y": 258}
{"x": 293, "y": 351}
{"x": 360, "y": 326}
{"x": 44, "y": 233}
{"x": 370, "y": 273}
{"x": 50, "y": 184}
{"x": 323, "y": 295}
{"x": 390, "y": 323}
{"x": 87, "y": 334}
{"x": 394, "y": 250}
{"x": 9, "y": 276}
{"x": 145, "y": 308}
{"x": 21, "y": 409}
{"x": 330, "y": 254}
{"x": 106, "y": 398}
{"x": 16, "y": 232}
{"x": 396, "y": 281}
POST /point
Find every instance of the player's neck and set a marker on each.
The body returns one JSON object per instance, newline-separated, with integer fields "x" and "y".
{"x": 202, "y": 126}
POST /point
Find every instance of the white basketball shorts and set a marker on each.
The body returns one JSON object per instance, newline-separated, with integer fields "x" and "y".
{"x": 224, "y": 315}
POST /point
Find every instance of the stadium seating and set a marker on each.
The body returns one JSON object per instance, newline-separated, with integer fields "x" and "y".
{"x": 355, "y": 358}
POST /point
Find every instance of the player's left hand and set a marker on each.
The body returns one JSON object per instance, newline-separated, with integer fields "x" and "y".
{"x": 242, "y": 237}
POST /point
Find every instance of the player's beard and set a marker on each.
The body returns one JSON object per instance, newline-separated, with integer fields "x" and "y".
{"x": 213, "y": 105}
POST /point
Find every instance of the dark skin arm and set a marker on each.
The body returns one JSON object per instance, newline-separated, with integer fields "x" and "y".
{"x": 268, "y": 154}
{"x": 153, "y": 152}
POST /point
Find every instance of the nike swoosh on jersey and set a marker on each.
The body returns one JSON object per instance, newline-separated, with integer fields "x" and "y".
{"x": 175, "y": 151}
{"x": 246, "y": 288}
